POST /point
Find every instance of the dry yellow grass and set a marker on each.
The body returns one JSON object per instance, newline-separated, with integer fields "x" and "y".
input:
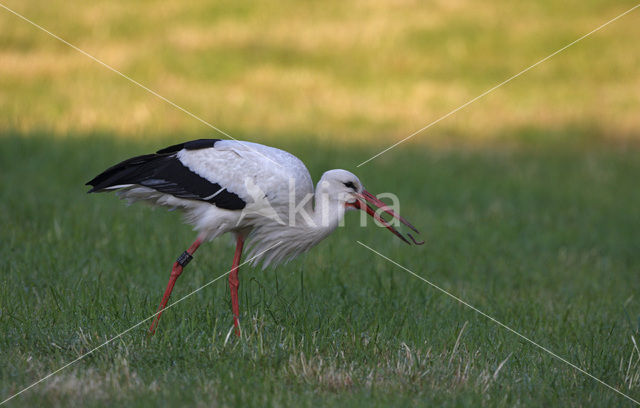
{"x": 341, "y": 71}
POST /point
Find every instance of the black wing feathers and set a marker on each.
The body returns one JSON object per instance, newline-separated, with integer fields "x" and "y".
{"x": 192, "y": 145}
{"x": 165, "y": 173}
{"x": 122, "y": 170}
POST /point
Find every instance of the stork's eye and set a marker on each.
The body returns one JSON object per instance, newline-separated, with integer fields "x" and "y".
{"x": 349, "y": 184}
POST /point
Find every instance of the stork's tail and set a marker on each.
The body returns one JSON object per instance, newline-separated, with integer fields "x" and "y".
{"x": 123, "y": 174}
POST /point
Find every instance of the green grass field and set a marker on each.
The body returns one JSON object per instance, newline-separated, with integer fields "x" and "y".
{"x": 528, "y": 200}
{"x": 543, "y": 240}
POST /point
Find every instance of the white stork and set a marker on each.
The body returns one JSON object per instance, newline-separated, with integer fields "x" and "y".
{"x": 256, "y": 192}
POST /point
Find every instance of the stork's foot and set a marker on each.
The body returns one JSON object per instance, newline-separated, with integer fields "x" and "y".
{"x": 234, "y": 283}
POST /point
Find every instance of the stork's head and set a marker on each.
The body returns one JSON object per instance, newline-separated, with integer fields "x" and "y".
{"x": 346, "y": 189}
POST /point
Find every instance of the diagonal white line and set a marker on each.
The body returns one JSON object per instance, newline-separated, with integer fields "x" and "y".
{"x": 128, "y": 78}
{"x": 132, "y": 327}
{"x": 488, "y": 91}
{"x": 501, "y": 324}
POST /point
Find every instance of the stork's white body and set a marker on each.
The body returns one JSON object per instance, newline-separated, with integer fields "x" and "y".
{"x": 280, "y": 204}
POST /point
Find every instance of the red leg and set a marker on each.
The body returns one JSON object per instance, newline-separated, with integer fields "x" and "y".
{"x": 234, "y": 283}
{"x": 178, "y": 266}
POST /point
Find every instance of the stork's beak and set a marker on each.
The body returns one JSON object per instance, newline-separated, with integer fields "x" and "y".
{"x": 362, "y": 203}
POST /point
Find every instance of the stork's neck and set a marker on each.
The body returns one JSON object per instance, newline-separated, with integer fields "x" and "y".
{"x": 327, "y": 211}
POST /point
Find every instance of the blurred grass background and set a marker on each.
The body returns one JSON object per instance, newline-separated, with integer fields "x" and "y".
{"x": 528, "y": 200}
{"x": 373, "y": 71}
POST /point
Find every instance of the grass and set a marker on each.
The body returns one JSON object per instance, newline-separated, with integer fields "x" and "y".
{"x": 543, "y": 239}
{"x": 527, "y": 198}
{"x": 336, "y": 71}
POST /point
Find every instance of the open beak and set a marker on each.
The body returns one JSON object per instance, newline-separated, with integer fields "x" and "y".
{"x": 365, "y": 198}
